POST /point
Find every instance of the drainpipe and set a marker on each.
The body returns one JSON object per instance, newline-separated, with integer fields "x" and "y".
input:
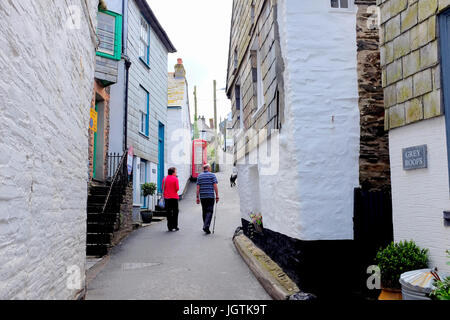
{"x": 127, "y": 69}
{"x": 125, "y": 120}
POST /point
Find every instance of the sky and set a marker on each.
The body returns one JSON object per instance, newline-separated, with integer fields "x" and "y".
{"x": 200, "y": 31}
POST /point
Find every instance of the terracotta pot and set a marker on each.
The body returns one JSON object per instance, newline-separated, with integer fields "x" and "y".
{"x": 390, "y": 294}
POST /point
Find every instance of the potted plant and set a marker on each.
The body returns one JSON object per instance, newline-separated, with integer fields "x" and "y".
{"x": 442, "y": 291}
{"x": 148, "y": 189}
{"x": 396, "y": 259}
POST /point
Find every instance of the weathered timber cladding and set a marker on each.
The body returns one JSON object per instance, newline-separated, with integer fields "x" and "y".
{"x": 248, "y": 35}
{"x": 374, "y": 167}
{"x": 410, "y": 60}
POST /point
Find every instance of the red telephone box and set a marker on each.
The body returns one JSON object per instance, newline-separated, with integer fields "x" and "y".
{"x": 199, "y": 157}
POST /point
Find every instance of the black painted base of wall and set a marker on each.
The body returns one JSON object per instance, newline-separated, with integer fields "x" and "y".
{"x": 330, "y": 269}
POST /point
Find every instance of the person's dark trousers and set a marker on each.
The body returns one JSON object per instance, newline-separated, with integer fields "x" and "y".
{"x": 208, "y": 209}
{"x": 172, "y": 213}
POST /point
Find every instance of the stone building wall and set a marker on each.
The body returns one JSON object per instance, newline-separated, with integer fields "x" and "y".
{"x": 374, "y": 169}
{"x": 47, "y": 77}
{"x": 124, "y": 225}
{"x": 410, "y": 60}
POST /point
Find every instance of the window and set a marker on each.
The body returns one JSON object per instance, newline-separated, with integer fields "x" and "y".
{"x": 236, "y": 61}
{"x": 252, "y": 12}
{"x": 238, "y": 98}
{"x": 144, "y": 43}
{"x": 260, "y": 86}
{"x": 109, "y": 32}
{"x": 340, "y": 4}
{"x": 144, "y": 105}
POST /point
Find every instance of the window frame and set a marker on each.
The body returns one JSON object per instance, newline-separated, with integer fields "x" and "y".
{"x": 145, "y": 59}
{"x": 147, "y": 118}
{"x": 117, "y": 37}
{"x": 351, "y": 7}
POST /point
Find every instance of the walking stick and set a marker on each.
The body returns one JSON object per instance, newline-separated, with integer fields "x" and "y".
{"x": 215, "y": 214}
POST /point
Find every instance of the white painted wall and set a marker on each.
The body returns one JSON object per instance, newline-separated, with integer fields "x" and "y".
{"x": 319, "y": 142}
{"x": 46, "y": 87}
{"x": 419, "y": 197}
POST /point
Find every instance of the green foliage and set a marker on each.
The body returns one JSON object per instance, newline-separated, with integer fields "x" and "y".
{"x": 148, "y": 189}
{"x": 442, "y": 291}
{"x": 448, "y": 256}
{"x": 398, "y": 258}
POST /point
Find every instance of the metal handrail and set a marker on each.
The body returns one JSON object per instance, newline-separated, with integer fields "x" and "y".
{"x": 116, "y": 174}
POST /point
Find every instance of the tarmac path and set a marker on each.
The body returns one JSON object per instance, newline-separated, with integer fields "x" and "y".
{"x": 155, "y": 264}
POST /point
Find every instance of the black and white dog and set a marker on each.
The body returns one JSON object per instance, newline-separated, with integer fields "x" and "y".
{"x": 233, "y": 179}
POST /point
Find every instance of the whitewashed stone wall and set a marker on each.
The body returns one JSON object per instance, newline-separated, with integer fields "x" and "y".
{"x": 419, "y": 197}
{"x": 319, "y": 141}
{"x": 179, "y": 142}
{"x": 46, "y": 83}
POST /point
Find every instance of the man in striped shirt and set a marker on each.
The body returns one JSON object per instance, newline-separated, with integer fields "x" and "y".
{"x": 207, "y": 192}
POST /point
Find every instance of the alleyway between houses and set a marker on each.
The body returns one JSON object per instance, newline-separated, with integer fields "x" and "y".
{"x": 153, "y": 263}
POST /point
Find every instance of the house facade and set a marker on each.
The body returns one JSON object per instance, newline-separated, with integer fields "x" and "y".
{"x": 43, "y": 167}
{"x": 108, "y": 55}
{"x": 179, "y": 130}
{"x": 415, "y": 64}
{"x": 301, "y": 112}
{"x": 139, "y": 100}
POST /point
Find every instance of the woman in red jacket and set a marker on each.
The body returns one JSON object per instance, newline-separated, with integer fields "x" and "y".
{"x": 171, "y": 187}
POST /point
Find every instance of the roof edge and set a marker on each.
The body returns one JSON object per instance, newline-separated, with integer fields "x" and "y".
{"x": 154, "y": 23}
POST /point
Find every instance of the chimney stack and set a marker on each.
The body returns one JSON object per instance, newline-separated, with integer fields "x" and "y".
{"x": 180, "y": 73}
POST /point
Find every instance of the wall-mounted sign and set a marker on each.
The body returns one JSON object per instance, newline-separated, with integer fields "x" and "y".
{"x": 93, "y": 120}
{"x": 415, "y": 158}
{"x": 130, "y": 160}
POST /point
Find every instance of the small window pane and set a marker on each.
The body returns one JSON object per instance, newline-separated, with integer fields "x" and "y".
{"x": 335, "y": 3}
{"x": 106, "y": 33}
{"x": 344, "y": 3}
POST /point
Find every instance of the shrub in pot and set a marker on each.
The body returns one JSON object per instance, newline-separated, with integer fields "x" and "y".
{"x": 148, "y": 189}
{"x": 396, "y": 259}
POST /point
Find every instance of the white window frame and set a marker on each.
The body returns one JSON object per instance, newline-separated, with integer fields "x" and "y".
{"x": 259, "y": 81}
{"x": 351, "y": 6}
{"x": 144, "y": 40}
{"x": 144, "y": 115}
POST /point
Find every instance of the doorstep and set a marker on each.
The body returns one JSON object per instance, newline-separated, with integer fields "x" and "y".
{"x": 277, "y": 283}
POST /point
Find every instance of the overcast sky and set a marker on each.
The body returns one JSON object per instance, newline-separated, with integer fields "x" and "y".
{"x": 199, "y": 30}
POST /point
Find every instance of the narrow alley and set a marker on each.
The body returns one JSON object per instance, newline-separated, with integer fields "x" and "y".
{"x": 153, "y": 263}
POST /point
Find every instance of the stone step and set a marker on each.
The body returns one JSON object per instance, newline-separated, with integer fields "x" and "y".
{"x": 98, "y": 207}
{"x": 105, "y": 217}
{"x": 96, "y": 250}
{"x": 98, "y": 239}
{"x": 100, "y": 228}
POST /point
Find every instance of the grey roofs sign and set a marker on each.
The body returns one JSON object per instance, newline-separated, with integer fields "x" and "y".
{"x": 415, "y": 157}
